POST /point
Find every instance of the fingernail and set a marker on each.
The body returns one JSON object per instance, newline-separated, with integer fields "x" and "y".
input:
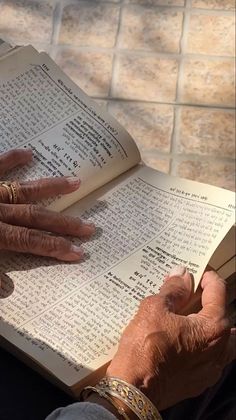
{"x": 178, "y": 270}
{"x": 87, "y": 229}
{"x": 74, "y": 181}
{"x": 77, "y": 251}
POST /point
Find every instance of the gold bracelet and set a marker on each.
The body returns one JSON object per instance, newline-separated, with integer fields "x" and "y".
{"x": 89, "y": 389}
{"x": 131, "y": 396}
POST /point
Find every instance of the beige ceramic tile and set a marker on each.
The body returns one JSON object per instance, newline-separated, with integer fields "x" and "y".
{"x": 214, "y": 4}
{"x": 158, "y": 2}
{"x": 219, "y": 31}
{"x": 154, "y": 161}
{"x": 89, "y": 24}
{"x": 144, "y": 28}
{"x": 207, "y": 132}
{"x": 102, "y": 103}
{"x": 149, "y": 124}
{"x": 90, "y": 70}
{"x": 26, "y": 21}
{"x": 216, "y": 173}
{"x": 145, "y": 78}
{"x": 208, "y": 82}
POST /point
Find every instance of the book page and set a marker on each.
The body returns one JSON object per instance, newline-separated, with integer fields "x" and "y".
{"x": 68, "y": 133}
{"x": 69, "y": 317}
{"x": 226, "y": 251}
{"x": 4, "y": 47}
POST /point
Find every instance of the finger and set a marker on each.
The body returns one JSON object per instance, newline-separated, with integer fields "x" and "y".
{"x": 20, "y": 239}
{"x": 13, "y": 158}
{"x": 213, "y": 296}
{"x": 36, "y": 217}
{"x": 42, "y": 189}
{"x": 177, "y": 290}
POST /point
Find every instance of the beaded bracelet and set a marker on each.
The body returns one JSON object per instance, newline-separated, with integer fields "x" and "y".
{"x": 89, "y": 389}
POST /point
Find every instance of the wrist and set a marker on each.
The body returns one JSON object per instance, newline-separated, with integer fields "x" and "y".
{"x": 97, "y": 399}
{"x": 148, "y": 385}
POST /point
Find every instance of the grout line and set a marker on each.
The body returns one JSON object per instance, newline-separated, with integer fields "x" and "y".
{"x": 176, "y": 127}
{"x": 172, "y": 138}
{"x": 183, "y": 104}
{"x": 183, "y": 43}
{"x": 57, "y": 17}
{"x": 116, "y": 50}
{"x": 114, "y": 59}
{"x": 94, "y": 2}
{"x": 175, "y": 110}
{"x": 145, "y": 53}
{"x": 181, "y": 157}
{"x": 186, "y": 7}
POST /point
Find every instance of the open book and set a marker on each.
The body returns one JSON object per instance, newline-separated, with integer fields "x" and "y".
{"x": 65, "y": 319}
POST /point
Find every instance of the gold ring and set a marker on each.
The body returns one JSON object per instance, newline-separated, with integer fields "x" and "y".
{"x": 11, "y": 190}
{"x": 14, "y": 192}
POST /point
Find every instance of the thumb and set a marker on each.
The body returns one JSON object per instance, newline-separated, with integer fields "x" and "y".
{"x": 177, "y": 289}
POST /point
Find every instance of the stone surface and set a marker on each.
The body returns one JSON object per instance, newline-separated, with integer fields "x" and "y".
{"x": 149, "y": 29}
{"x": 214, "y": 4}
{"x": 208, "y": 82}
{"x": 145, "y": 77}
{"x": 26, "y": 21}
{"x": 207, "y": 131}
{"x": 90, "y": 70}
{"x": 150, "y": 125}
{"x": 154, "y": 161}
{"x": 220, "y": 35}
{"x": 218, "y": 173}
{"x": 102, "y": 103}
{"x": 157, "y": 2}
{"x": 89, "y": 24}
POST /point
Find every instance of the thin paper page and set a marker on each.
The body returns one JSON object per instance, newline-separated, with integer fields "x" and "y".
{"x": 69, "y": 317}
{"x": 4, "y": 48}
{"x": 68, "y": 133}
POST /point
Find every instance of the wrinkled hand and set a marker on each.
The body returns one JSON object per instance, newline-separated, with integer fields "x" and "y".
{"x": 23, "y": 226}
{"x": 171, "y": 357}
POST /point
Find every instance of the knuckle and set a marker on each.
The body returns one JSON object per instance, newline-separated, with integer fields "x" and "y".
{"x": 33, "y": 212}
{"x": 2, "y": 235}
{"x": 147, "y": 303}
{"x": 3, "y": 195}
{"x": 2, "y": 210}
{"x": 28, "y": 238}
{"x": 61, "y": 244}
{"x": 22, "y": 193}
{"x": 11, "y": 237}
{"x": 67, "y": 223}
{"x": 176, "y": 292}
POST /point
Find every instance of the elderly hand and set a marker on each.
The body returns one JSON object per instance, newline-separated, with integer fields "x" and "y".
{"x": 171, "y": 357}
{"x": 23, "y": 226}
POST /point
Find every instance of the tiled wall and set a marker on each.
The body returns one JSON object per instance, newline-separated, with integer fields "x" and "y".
{"x": 163, "y": 68}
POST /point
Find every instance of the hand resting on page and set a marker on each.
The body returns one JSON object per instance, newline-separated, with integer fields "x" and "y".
{"x": 171, "y": 357}
{"x": 25, "y": 227}
{"x": 164, "y": 357}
